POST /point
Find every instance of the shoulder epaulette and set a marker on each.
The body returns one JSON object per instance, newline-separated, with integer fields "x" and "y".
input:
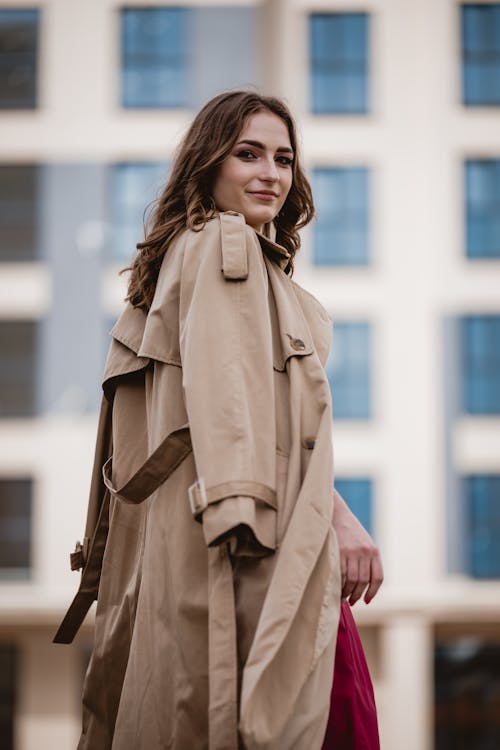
{"x": 234, "y": 249}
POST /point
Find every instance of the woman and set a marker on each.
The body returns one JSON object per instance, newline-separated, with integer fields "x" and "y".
{"x": 209, "y": 534}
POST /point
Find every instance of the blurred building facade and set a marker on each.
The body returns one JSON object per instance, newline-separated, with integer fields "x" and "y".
{"x": 398, "y": 104}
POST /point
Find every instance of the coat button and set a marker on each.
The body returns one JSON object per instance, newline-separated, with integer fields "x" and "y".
{"x": 309, "y": 443}
{"x": 297, "y": 344}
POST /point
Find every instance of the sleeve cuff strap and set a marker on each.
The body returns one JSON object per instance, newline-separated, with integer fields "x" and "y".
{"x": 200, "y": 496}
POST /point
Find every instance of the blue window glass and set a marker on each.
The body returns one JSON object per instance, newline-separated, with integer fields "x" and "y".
{"x": 341, "y": 228}
{"x": 133, "y": 187}
{"x": 18, "y": 212}
{"x": 483, "y": 505}
{"x": 482, "y": 183}
{"x": 15, "y": 527}
{"x": 339, "y": 63}
{"x": 481, "y": 364}
{"x": 358, "y": 495}
{"x": 18, "y": 58}
{"x": 481, "y": 54}
{"x": 348, "y": 370}
{"x": 177, "y": 57}
{"x": 154, "y": 47}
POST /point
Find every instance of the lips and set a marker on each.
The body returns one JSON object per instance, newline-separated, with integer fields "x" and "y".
{"x": 264, "y": 194}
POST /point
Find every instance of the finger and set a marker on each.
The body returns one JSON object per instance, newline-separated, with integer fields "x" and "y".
{"x": 352, "y": 576}
{"x": 343, "y": 565}
{"x": 363, "y": 579}
{"x": 376, "y": 578}
{"x": 343, "y": 570}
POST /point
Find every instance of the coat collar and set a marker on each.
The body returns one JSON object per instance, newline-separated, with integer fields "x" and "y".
{"x": 273, "y": 250}
{"x": 267, "y": 239}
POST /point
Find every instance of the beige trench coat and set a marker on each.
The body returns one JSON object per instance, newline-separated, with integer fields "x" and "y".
{"x": 209, "y": 537}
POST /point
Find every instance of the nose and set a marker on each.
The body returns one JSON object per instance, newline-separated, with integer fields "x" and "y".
{"x": 269, "y": 171}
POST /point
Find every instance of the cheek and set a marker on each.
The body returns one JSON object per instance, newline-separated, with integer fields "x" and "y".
{"x": 228, "y": 180}
{"x": 237, "y": 171}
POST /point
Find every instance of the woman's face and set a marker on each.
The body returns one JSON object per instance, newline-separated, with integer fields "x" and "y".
{"x": 256, "y": 177}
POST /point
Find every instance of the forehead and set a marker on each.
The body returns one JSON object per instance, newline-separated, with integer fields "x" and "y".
{"x": 267, "y": 128}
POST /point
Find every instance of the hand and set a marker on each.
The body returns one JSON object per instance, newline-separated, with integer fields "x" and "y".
{"x": 360, "y": 562}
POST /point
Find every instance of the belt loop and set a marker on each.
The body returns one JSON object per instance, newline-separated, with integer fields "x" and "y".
{"x": 106, "y": 475}
{"x": 198, "y": 500}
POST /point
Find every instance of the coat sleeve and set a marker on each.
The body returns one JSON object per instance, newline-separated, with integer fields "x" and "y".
{"x": 228, "y": 385}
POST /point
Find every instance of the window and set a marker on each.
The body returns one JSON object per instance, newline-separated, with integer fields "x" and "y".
{"x": 18, "y": 212}
{"x": 358, "y": 495}
{"x": 481, "y": 364}
{"x": 15, "y": 527}
{"x": 8, "y": 668}
{"x": 348, "y": 370}
{"x": 481, "y": 54}
{"x": 482, "y": 493}
{"x": 18, "y": 58}
{"x": 133, "y": 186}
{"x": 18, "y": 372}
{"x": 339, "y": 63}
{"x": 154, "y": 44}
{"x": 178, "y": 57}
{"x": 467, "y": 693}
{"x": 482, "y": 183}
{"x": 341, "y": 229}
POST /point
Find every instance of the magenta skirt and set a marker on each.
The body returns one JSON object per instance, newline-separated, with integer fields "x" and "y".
{"x": 352, "y": 723}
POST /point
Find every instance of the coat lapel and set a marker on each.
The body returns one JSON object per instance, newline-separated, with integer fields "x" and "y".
{"x": 291, "y": 334}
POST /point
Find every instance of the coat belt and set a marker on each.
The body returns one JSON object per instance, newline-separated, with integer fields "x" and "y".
{"x": 222, "y": 652}
{"x": 223, "y": 662}
{"x": 153, "y": 472}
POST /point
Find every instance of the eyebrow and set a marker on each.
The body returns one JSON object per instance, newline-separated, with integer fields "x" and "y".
{"x": 260, "y": 145}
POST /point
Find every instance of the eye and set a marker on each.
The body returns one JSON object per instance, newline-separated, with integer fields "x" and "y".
{"x": 245, "y": 154}
{"x": 285, "y": 160}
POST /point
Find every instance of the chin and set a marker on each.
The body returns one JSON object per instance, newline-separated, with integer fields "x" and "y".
{"x": 259, "y": 218}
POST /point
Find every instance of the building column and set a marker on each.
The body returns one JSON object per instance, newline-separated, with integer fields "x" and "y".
{"x": 407, "y": 649}
{"x": 49, "y": 680}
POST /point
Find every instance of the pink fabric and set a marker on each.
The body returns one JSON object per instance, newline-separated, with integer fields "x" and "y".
{"x": 352, "y": 723}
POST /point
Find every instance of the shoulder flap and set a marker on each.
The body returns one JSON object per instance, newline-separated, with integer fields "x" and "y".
{"x": 126, "y": 337}
{"x": 233, "y": 241}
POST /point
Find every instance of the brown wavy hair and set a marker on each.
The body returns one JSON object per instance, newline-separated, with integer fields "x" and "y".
{"x": 186, "y": 200}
